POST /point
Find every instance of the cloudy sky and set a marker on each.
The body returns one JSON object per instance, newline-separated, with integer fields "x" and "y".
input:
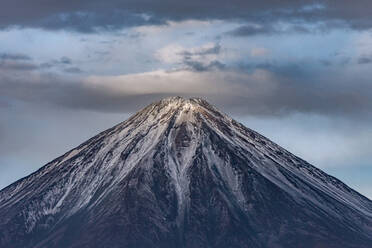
{"x": 299, "y": 72}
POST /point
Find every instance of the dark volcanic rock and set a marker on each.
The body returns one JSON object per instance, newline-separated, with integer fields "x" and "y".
{"x": 180, "y": 173}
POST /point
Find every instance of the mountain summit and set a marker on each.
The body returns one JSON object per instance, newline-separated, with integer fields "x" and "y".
{"x": 182, "y": 174}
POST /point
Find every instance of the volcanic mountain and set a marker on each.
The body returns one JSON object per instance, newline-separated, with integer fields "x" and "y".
{"x": 180, "y": 173}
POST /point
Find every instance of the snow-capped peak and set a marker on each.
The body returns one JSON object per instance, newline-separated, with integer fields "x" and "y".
{"x": 179, "y": 161}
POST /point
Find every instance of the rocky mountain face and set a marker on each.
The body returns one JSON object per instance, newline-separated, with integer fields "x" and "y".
{"x": 180, "y": 173}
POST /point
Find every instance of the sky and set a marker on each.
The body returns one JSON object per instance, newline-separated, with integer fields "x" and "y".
{"x": 298, "y": 72}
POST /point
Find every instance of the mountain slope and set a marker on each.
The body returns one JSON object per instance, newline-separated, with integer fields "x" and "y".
{"x": 180, "y": 173}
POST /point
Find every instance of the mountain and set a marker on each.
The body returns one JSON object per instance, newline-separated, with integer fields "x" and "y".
{"x": 180, "y": 173}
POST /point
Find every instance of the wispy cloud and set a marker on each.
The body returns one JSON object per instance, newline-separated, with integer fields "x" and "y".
{"x": 14, "y": 56}
{"x": 199, "y": 59}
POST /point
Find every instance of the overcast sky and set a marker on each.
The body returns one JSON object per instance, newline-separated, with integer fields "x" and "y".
{"x": 299, "y": 72}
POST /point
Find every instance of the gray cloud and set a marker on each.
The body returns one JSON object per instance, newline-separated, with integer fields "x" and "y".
{"x": 61, "y": 62}
{"x": 14, "y": 56}
{"x": 17, "y": 65}
{"x": 202, "y": 67}
{"x": 216, "y": 49}
{"x": 49, "y": 89}
{"x": 269, "y": 89}
{"x": 23, "y": 62}
{"x": 199, "y": 59}
{"x": 269, "y": 29}
{"x": 194, "y": 59}
{"x": 73, "y": 70}
{"x": 250, "y": 30}
{"x": 365, "y": 60}
{"x": 65, "y": 60}
{"x": 16, "y": 61}
{"x": 94, "y": 15}
{"x": 325, "y": 62}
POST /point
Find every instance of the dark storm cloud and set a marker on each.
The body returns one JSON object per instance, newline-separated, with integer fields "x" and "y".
{"x": 93, "y": 15}
{"x": 94, "y": 21}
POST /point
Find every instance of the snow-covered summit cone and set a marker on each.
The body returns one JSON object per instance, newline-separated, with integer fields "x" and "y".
{"x": 180, "y": 173}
